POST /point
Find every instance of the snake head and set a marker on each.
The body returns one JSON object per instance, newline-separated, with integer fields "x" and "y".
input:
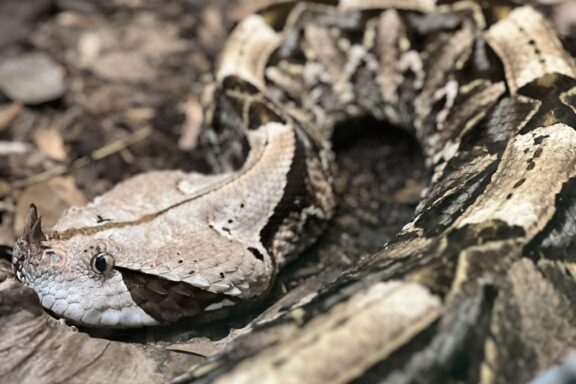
{"x": 102, "y": 276}
{"x": 75, "y": 277}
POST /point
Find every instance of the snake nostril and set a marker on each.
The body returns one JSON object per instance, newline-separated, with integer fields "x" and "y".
{"x": 53, "y": 257}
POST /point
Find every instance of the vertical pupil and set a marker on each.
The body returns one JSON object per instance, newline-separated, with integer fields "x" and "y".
{"x": 100, "y": 263}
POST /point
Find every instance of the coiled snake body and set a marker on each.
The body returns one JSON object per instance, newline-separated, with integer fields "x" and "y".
{"x": 489, "y": 92}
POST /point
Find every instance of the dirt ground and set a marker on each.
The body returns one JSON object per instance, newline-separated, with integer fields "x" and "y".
{"x": 92, "y": 93}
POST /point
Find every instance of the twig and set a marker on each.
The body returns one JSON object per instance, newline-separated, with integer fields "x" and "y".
{"x": 81, "y": 162}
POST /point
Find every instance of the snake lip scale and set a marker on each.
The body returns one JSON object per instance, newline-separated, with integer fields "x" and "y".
{"x": 489, "y": 93}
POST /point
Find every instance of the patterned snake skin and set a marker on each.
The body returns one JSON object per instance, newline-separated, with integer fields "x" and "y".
{"x": 489, "y": 92}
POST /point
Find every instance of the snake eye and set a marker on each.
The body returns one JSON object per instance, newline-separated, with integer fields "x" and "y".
{"x": 102, "y": 263}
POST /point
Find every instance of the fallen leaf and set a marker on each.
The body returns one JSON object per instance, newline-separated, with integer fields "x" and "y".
{"x": 136, "y": 116}
{"x": 8, "y": 114}
{"x": 203, "y": 348}
{"x": 50, "y": 142}
{"x": 52, "y": 198}
{"x": 244, "y": 8}
{"x": 212, "y": 27}
{"x": 192, "y": 125}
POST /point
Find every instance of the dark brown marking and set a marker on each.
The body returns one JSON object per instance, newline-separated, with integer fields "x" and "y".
{"x": 295, "y": 198}
{"x": 538, "y": 152}
{"x": 100, "y": 219}
{"x": 519, "y": 183}
{"x": 256, "y": 253}
{"x": 539, "y": 139}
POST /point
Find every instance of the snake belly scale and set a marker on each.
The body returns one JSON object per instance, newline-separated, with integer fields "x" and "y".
{"x": 489, "y": 93}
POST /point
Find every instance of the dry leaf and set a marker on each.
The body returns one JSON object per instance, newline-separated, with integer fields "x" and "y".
{"x": 52, "y": 197}
{"x": 212, "y": 27}
{"x": 193, "y": 124}
{"x": 136, "y": 116}
{"x": 50, "y": 142}
{"x": 247, "y": 7}
{"x": 8, "y": 114}
{"x": 201, "y": 347}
